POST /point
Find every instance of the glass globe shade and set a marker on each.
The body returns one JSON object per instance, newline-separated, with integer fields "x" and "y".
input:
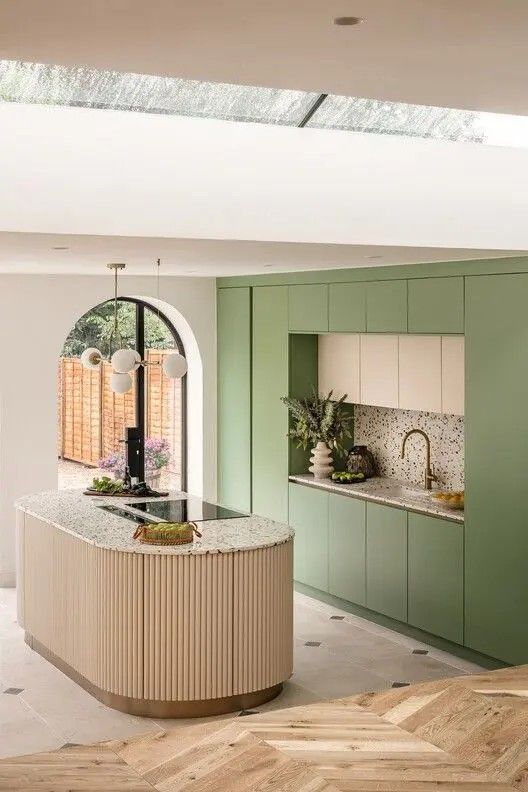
{"x": 125, "y": 360}
{"x": 175, "y": 366}
{"x": 120, "y": 383}
{"x": 91, "y": 358}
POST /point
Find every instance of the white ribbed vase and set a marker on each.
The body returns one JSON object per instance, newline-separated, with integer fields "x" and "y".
{"x": 321, "y": 460}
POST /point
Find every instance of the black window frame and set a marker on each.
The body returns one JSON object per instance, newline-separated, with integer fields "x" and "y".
{"x": 141, "y": 305}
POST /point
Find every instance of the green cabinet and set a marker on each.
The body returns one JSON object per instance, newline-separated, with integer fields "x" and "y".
{"x": 496, "y": 451}
{"x": 346, "y": 548}
{"x": 436, "y": 576}
{"x": 308, "y": 308}
{"x": 347, "y": 308}
{"x": 308, "y": 515}
{"x": 234, "y": 398}
{"x": 302, "y": 380}
{"x": 387, "y": 560}
{"x": 387, "y": 306}
{"x": 269, "y": 415}
{"x": 436, "y": 305}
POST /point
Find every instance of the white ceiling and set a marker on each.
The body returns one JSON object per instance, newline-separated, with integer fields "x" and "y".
{"x": 132, "y": 186}
{"x": 106, "y": 173}
{"x": 34, "y": 253}
{"x": 455, "y": 53}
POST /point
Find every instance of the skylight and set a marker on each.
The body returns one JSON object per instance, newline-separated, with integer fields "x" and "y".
{"x": 36, "y": 83}
{"x": 396, "y": 118}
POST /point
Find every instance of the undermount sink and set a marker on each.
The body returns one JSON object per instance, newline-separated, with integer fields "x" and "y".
{"x": 414, "y": 492}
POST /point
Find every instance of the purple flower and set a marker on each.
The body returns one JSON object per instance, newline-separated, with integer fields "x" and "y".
{"x": 115, "y": 463}
{"x": 157, "y": 455}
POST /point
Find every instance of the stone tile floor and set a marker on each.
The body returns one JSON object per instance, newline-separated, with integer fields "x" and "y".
{"x": 336, "y": 654}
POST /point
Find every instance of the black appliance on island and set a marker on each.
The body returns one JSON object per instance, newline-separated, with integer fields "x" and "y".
{"x": 184, "y": 508}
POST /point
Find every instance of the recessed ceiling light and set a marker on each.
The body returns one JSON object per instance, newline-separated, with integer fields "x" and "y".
{"x": 60, "y": 247}
{"x": 348, "y": 20}
{"x": 372, "y": 257}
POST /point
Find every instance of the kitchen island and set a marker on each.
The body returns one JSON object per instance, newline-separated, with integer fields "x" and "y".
{"x": 178, "y": 631}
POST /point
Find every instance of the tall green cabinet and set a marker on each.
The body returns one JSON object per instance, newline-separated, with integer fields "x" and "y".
{"x": 496, "y": 567}
{"x": 234, "y": 397}
{"x": 269, "y": 414}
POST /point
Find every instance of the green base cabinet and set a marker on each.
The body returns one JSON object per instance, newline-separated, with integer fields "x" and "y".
{"x": 308, "y": 308}
{"x": 436, "y": 576}
{"x": 347, "y": 308}
{"x": 436, "y": 305}
{"x": 308, "y": 515}
{"x": 387, "y": 561}
{"x": 346, "y": 548}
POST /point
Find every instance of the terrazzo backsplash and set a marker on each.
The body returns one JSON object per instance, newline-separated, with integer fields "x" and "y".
{"x": 382, "y": 430}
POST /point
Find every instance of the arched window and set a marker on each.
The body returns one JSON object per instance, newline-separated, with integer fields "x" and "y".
{"x": 93, "y": 419}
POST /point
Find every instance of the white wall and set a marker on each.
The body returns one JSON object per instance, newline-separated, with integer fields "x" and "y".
{"x": 80, "y": 171}
{"x": 36, "y": 314}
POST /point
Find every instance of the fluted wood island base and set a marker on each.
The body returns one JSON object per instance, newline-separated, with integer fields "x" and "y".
{"x": 183, "y": 631}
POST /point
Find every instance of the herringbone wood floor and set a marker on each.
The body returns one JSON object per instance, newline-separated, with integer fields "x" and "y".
{"x": 463, "y": 734}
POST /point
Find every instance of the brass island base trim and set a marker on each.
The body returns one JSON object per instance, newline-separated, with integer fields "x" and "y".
{"x": 152, "y": 708}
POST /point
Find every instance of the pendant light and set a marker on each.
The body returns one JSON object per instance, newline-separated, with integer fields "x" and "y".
{"x": 91, "y": 358}
{"x": 124, "y": 361}
{"x": 120, "y": 383}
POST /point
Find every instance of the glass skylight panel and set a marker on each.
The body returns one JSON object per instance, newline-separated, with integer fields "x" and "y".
{"x": 36, "y": 83}
{"x": 396, "y": 118}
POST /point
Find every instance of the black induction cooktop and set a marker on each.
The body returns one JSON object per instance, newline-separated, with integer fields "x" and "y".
{"x": 183, "y": 509}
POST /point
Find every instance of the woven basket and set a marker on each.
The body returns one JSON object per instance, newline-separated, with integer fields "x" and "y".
{"x": 167, "y": 533}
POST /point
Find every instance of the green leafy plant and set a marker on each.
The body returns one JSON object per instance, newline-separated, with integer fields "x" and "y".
{"x": 319, "y": 418}
{"x": 107, "y": 485}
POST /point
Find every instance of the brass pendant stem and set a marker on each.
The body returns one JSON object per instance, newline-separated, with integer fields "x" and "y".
{"x": 115, "y": 335}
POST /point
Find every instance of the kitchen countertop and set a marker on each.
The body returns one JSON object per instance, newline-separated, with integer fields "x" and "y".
{"x": 77, "y": 514}
{"x": 385, "y": 490}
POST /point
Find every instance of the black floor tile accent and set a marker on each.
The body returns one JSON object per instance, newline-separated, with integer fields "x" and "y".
{"x": 13, "y": 691}
{"x": 312, "y": 643}
{"x": 248, "y": 712}
{"x": 420, "y": 651}
{"x": 337, "y": 618}
{"x": 400, "y": 684}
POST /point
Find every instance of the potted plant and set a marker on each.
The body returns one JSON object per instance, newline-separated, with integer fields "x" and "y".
{"x": 322, "y": 423}
{"x": 157, "y": 456}
{"x": 115, "y": 463}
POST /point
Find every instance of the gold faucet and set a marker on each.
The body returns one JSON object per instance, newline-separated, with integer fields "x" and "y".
{"x": 429, "y": 472}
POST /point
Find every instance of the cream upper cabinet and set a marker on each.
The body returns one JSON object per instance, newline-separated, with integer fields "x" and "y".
{"x": 410, "y": 372}
{"x": 420, "y": 373}
{"x": 453, "y": 375}
{"x": 339, "y": 365}
{"x": 379, "y": 370}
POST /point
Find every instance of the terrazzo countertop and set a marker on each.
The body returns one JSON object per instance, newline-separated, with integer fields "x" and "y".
{"x": 388, "y": 491}
{"x": 77, "y": 514}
